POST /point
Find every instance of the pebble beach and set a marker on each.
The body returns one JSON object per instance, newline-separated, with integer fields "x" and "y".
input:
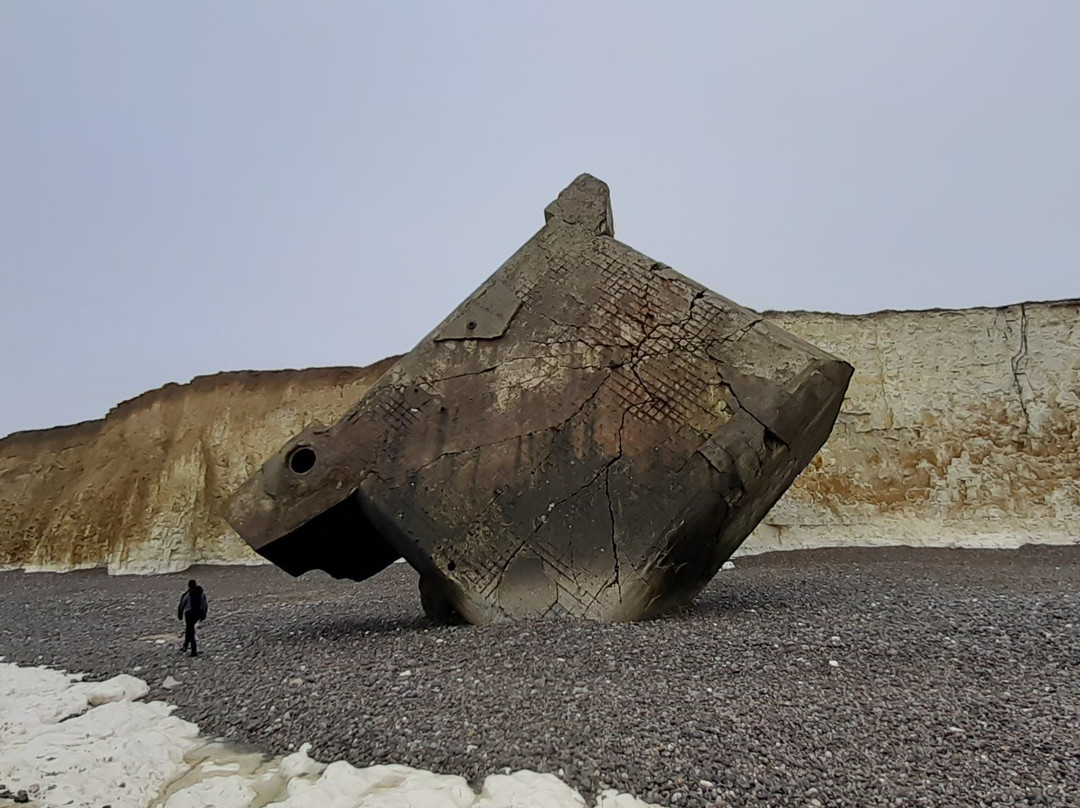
{"x": 888, "y": 676}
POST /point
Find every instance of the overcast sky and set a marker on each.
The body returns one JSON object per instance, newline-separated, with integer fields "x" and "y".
{"x": 194, "y": 187}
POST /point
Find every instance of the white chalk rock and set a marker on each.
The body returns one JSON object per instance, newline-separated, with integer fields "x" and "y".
{"x": 119, "y": 688}
{"x": 130, "y": 754}
{"x": 35, "y": 697}
{"x": 221, "y": 792}
{"x": 298, "y": 764}
{"x": 527, "y": 789}
{"x": 85, "y": 758}
{"x": 613, "y": 799}
{"x": 344, "y": 786}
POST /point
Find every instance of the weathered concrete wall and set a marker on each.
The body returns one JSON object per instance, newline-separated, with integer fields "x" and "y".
{"x": 961, "y": 428}
{"x": 141, "y": 490}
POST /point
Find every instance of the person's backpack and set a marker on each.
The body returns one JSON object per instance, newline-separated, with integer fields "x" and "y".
{"x": 196, "y": 603}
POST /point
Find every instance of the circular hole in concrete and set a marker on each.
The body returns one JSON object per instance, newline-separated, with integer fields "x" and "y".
{"x": 471, "y": 324}
{"x": 301, "y": 459}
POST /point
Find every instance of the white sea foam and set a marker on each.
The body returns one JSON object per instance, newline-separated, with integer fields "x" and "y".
{"x": 74, "y": 743}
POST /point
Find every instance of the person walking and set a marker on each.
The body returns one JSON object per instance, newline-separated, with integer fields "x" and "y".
{"x": 192, "y": 610}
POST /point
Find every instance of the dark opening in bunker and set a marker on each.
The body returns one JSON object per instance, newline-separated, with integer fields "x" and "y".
{"x": 301, "y": 459}
{"x": 340, "y": 540}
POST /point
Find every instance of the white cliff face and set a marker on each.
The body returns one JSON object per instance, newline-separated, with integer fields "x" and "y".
{"x": 141, "y": 490}
{"x": 960, "y": 428}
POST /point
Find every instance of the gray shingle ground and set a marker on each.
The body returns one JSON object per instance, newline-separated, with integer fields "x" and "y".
{"x": 956, "y": 678}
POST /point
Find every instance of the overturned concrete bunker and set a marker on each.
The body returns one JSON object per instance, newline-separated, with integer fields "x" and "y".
{"x": 590, "y": 433}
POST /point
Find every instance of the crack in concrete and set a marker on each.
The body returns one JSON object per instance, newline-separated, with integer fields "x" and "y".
{"x": 606, "y": 366}
{"x": 589, "y": 400}
{"x": 768, "y": 430}
{"x": 478, "y": 446}
{"x": 605, "y": 471}
{"x": 599, "y": 333}
{"x": 739, "y": 333}
{"x": 611, "y": 508}
{"x": 637, "y": 356}
{"x": 552, "y": 506}
{"x": 693, "y": 302}
{"x": 555, "y": 429}
{"x": 553, "y": 342}
{"x": 486, "y": 370}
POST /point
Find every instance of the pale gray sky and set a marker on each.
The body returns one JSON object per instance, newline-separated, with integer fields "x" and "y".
{"x": 194, "y": 187}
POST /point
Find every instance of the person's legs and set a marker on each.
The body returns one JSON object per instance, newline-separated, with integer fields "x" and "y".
{"x": 189, "y": 632}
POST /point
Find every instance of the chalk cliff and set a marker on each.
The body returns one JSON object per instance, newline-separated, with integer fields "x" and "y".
{"x": 140, "y": 490}
{"x": 960, "y": 428}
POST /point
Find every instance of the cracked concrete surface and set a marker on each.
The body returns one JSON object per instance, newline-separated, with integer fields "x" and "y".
{"x": 590, "y": 433}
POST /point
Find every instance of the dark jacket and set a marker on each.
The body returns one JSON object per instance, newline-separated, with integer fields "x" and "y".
{"x": 194, "y": 600}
